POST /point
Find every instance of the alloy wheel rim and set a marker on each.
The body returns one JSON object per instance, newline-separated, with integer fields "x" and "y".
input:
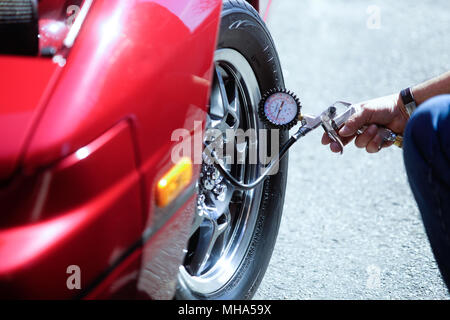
{"x": 225, "y": 217}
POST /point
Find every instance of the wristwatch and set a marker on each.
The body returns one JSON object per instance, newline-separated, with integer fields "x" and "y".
{"x": 408, "y": 100}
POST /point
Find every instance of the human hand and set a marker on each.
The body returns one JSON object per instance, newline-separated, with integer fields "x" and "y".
{"x": 386, "y": 111}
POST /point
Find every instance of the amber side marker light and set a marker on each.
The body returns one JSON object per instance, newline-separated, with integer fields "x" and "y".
{"x": 173, "y": 182}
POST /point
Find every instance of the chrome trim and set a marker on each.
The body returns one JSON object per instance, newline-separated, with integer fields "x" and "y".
{"x": 76, "y": 27}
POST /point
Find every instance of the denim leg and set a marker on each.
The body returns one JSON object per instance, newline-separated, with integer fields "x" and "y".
{"x": 427, "y": 162}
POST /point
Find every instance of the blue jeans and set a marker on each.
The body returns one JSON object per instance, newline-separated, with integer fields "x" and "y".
{"x": 427, "y": 161}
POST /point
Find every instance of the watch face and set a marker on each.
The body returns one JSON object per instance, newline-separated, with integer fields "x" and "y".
{"x": 279, "y": 109}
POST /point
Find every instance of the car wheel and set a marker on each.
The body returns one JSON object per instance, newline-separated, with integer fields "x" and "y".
{"x": 234, "y": 231}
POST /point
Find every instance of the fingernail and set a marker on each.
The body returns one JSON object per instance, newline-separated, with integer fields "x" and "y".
{"x": 334, "y": 147}
{"x": 344, "y": 131}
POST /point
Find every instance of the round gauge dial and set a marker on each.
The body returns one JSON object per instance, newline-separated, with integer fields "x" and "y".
{"x": 280, "y": 109}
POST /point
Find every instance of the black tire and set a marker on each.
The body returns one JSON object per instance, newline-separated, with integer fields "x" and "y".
{"x": 19, "y": 27}
{"x": 252, "y": 39}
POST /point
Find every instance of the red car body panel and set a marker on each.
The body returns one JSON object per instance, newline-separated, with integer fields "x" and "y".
{"x": 83, "y": 145}
{"x": 85, "y": 223}
{"x": 23, "y": 82}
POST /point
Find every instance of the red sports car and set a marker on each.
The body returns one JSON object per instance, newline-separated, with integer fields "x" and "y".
{"x": 96, "y": 97}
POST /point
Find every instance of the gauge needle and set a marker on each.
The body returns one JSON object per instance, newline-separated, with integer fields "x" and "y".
{"x": 281, "y": 107}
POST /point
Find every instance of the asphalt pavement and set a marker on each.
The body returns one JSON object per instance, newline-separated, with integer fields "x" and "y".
{"x": 351, "y": 228}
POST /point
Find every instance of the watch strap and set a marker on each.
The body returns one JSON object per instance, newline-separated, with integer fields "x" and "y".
{"x": 408, "y": 100}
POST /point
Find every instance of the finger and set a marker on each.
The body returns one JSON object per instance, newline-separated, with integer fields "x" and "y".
{"x": 363, "y": 139}
{"x": 356, "y": 121}
{"x": 375, "y": 144}
{"x": 326, "y": 139}
{"x": 336, "y": 147}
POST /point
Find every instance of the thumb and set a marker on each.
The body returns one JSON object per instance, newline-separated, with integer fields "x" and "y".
{"x": 355, "y": 122}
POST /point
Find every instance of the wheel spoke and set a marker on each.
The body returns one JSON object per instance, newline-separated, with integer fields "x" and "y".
{"x": 210, "y": 231}
{"x": 224, "y": 115}
{"x": 198, "y": 219}
{"x": 235, "y": 103}
{"x": 219, "y": 103}
{"x": 225, "y": 229}
{"x": 232, "y": 116}
{"x": 241, "y": 152}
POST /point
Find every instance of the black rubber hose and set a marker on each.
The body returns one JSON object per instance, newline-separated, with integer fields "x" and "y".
{"x": 241, "y": 186}
{"x": 19, "y": 27}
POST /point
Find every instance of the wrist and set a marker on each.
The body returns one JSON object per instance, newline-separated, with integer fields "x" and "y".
{"x": 400, "y": 106}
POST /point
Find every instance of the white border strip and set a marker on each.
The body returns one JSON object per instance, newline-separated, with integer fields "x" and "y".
{"x": 75, "y": 30}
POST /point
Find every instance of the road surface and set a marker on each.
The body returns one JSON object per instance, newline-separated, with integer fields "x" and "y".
{"x": 351, "y": 228}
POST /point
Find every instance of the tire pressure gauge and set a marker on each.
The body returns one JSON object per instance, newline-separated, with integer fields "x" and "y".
{"x": 279, "y": 109}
